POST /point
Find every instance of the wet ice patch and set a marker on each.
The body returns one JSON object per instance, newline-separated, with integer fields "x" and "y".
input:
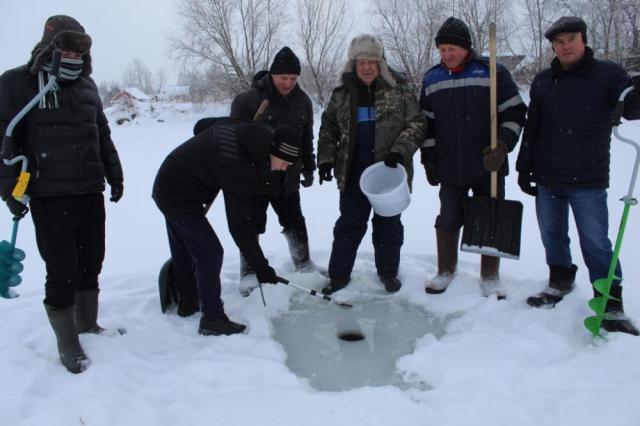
{"x": 339, "y": 349}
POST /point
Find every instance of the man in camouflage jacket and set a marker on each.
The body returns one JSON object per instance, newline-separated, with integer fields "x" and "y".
{"x": 373, "y": 116}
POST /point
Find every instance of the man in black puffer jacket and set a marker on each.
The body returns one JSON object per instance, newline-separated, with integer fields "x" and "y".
{"x": 287, "y": 105}
{"x": 565, "y": 150}
{"x": 67, "y": 141}
{"x": 229, "y": 156}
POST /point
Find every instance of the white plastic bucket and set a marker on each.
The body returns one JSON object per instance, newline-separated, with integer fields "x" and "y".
{"x": 386, "y": 188}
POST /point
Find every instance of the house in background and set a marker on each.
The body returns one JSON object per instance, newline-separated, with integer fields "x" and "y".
{"x": 129, "y": 96}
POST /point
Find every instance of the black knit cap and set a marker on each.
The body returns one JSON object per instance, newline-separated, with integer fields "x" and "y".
{"x": 567, "y": 24}
{"x": 286, "y": 144}
{"x": 285, "y": 62}
{"x": 454, "y": 31}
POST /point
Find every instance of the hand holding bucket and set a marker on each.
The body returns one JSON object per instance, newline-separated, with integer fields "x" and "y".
{"x": 386, "y": 188}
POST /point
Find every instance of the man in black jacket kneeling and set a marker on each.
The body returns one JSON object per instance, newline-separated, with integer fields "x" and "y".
{"x": 234, "y": 157}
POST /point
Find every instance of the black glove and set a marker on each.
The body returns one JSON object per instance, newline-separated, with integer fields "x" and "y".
{"x": 117, "y": 188}
{"x": 16, "y": 208}
{"x": 267, "y": 275}
{"x": 431, "y": 170}
{"x": 324, "y": 172}
{"x": 525, "y": 181}
{"x": 492, "y": 159}
{"x": 392, "y": 160}
{"x": 307, "y": 179}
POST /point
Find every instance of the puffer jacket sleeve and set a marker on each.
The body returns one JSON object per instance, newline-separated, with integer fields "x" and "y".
{"x": 413, "y": 134}
{"x": 511, "y": 109}
{"x": 10, "y": 105}
{"x": 329, "y": 134}
{"x": 525, "y": 162}
{"x": 108, "y": 152}
{"x": 428, "y": 145}
{"x": 243, "y": 106}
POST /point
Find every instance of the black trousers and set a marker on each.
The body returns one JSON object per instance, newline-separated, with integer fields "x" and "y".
{"x": 287, "y": 207}
{"x": 451, "y": 217}
{"x": 195, "y": 248}
{"x": 387, "y": 236}
{"x": 70, "y": 232}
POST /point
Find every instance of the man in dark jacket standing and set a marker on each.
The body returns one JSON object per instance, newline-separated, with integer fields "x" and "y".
{"x": 372, "y": 116}
{"x": 231, "y": 156}
{"x": 565, "y": 151}
{"x": 456, "y": 153}
{"x": 287, "y": 105}
{"x": 67, "y": 141}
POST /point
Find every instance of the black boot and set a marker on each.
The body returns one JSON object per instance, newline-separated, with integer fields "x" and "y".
{"x": 561, "y": 280}
{"x": 615, "y": 318}
{"x": 71, "y": 354}
{"x": 220, "y": 325}
{"x": 187, "y": 291}
{"x": 298, "y": 242}
{"x": 335, "y": 284}
{"x": 447, "y": 261}
{"x": 391, "y": 284}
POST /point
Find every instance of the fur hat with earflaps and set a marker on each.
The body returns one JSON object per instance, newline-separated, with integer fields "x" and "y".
{"x": 367, "y": 46}
{"x": 64, "y": 33}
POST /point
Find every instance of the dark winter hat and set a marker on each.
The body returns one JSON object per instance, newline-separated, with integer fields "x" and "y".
{"x": 285, "y": 62}
{"x": 286, "y": 144}
{"x": 65, "y": 33}
{"x": 454, "y": 31}
{"x": 567, "y": 24}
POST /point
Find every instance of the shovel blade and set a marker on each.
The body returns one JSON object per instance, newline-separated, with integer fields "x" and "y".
{"x": 165, "y": 287}
{"x": 492, "y": 227}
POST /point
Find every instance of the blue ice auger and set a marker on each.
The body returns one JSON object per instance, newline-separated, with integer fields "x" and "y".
{"x": 11, "y": 257}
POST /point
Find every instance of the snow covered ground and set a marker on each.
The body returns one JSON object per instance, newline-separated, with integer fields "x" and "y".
{"x": 497, "y": 363}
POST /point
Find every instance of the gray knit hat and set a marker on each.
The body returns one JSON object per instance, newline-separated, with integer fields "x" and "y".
{"x": 367, "y": 46}
{"x": 454, "y": 31}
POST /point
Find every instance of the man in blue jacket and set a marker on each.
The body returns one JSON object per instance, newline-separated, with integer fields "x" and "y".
{"x": 565, "y": 151}
{"x": 456, "y": 153}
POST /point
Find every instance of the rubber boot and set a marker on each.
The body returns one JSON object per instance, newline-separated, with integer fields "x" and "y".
{"x": 447, "y": 261}
{"x": 71, "y": 354}
{"x": 490, "y": 277}
{"x": 298, "y": 242}
{"x": 615, "y": 318}
{"x": 561, "y": 282}
{"x": 86, "y": 314}
{"x": 391, "y": 284}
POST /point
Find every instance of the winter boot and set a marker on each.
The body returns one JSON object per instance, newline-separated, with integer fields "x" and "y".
{"x": 490, "y": 277}
{"x": 86, "y": 314}
{"x": 220, "y": 325}
{"x": 615, "y": 318}
{"x": 447, "y": 261}
{"x": 561, "y": 280}
{"x": 391, "y": 284}
{"x": 298, "y": 242}
{"x": 335, "y": 284}
{"x": 71, "y": 354}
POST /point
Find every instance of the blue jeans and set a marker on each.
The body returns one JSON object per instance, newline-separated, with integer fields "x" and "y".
{"x": 589, "y": 207}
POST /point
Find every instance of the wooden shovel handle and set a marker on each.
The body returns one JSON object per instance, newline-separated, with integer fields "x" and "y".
{"x": 493, "y": 100}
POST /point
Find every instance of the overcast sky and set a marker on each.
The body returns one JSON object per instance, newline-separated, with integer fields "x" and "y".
{"x": 121, "y": 31}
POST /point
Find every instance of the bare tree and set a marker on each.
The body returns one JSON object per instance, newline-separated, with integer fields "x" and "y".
{"x": 237, "y": 36}
{"x": 407, "y": 29}
{"x": 322, "y": 30}
{"x": 479, "y": 13}
{"x": 138, "y": 75}
{"x": 160, "y": 80}
{"x": 540, "y": 14}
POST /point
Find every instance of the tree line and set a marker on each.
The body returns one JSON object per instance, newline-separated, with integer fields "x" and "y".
{"x": 223, "y": 43}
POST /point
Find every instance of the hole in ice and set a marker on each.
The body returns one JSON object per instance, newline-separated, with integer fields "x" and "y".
{"x": 351, "y": 336}
{"x": 337, "y": 349}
